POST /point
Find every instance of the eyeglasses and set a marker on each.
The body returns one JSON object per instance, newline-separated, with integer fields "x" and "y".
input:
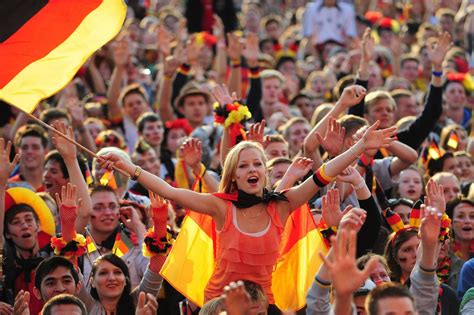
{"x": 102, "y": 207}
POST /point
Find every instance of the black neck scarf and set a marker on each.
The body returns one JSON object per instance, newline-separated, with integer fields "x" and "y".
{"x": 245, "y": 200}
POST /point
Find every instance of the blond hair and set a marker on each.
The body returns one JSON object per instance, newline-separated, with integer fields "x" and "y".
{"x": 231, "y": 163}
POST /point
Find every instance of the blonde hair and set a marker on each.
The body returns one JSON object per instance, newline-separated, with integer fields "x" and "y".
{"x": 231, "y": 163}
{"x": 374, "y": 97}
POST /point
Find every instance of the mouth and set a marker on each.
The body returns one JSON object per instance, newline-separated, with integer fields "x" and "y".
{"x": 252, "y": 180}
{"x": 467, "y": 229}
{"x": 48, "y": 185}
{"x": 26, "y": 235}
{"x": 411, "y": 191}
{"x": 111, "y": 286}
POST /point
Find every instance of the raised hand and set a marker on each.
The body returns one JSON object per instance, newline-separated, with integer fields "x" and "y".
{"x": 147, "y": 304}
{"x": 345, "y": 276}
{"x": 435, "y": 196}
{"x": 351, "y": 176}
{"x": 191, "y": 152}
{"x": 121, "y": 53}
{"x": 299, "y": 167}
{"x": 256, "y": 132}
{"x": 7, "y": 166}
{"x": 192, "y": 50}
{"x": 330, "y": 208}
{"x": 352, "y": 95}
{"x": 75, "y": 109}
{"x": 131, "y": 219}
{"x": 68, "y": 205}
{"x": 352, "y": 219}
{"x": 235, "y": 46}
{"x": 158, "y": 213}
{"x": 332, "y": 141}
{"x": 237, "y": 301}
{"x": 67, "y": 149}
{"x": 170, "y": 66}
{"x": 430, "y": 226}
{"x": 110, "y": 160}
{"x": 164, "y": 41}
{"x": 368, "y": 44}
{"x": 6, "y": 309}
{"x": 437, "y": 52}
{"x": 375, "y": 139}
{"x": 218, "y": 27}
{"x": 222, "y": 95}
{"x": 251, "y": 50}
{"x": 21, "y": 304}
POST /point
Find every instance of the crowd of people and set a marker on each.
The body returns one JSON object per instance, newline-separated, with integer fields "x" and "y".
{"x": 245, "y": 111}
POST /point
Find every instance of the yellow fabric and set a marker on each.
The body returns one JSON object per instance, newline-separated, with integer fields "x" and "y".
{"x": 296, "y": 270}
{"x": 50, "y": 74}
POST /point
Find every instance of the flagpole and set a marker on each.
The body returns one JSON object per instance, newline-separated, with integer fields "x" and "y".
{"x": 80, "y": 146}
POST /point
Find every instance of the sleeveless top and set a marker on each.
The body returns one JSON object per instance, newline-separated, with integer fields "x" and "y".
{"x": 245, "y": 256}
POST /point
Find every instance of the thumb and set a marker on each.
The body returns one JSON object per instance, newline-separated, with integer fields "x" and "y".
{"x": 141, "y": 300}
{"x": 369, "y": 267}
{"x": 347, "y": 209}
{"x": 27, "y": 297}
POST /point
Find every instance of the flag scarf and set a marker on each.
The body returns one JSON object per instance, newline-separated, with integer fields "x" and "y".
{"x": 122, "y": 244}
{"x": 190, "y": 263}
{"x": 43, "y": 43}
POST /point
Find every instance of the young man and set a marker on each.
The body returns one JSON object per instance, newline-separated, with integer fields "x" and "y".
{"x": 64, "y": 304}
{"x": 32, "y": 145}
{"x": 192, "y": 103}
{"x": 151, "y": 130}
{"x": 409, "y": 68}
{"x": 379, "y": 105}
{"x": 276, "y": 146}
{"x": 390, "y": 298}
{"x": 406, "y": 103}
{"x": 55, "y": 275}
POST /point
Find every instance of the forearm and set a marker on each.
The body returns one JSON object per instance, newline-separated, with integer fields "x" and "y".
{"x": 225, "y": 145}
{"x": 164, "y": 96}
{"x": 311, "y": 141}
{"x": 86, "y": 139}
{"x": 113, "y": 93}
{"x": 97, "y": 80}
{"x": 403, "y": 152}
{"x": 211, "y": 184}
{"x": 369, "y": 231}
{"x": 425, "y": 289}
{"x": 220, "y": 64}
{"x": 76, "y": 178}
{"x": 429, "y": 253}
{"x": 235, "y": 81}
{"x": 180, "y": 80}
{"x": 286, "y": 182}
{"x": 255, "y": 95}
{"x": 343, "y": 304}
{"x": 358, "y": 109}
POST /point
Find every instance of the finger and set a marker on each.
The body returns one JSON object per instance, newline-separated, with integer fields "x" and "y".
{"x": 8, "y": 149}
{"x": 141, "y": 300}
{"x": 346, "y": 210}
{"x": 325, "y": 260}
{"x": 16, "y": 159}
{"x": 352, "y": 244}
{"x": 63, "y": 193}
{"x": 58, "y": 199}
{"x": 370, "y": 266}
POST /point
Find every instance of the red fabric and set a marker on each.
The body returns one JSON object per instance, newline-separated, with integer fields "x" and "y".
{"x": 207, "y": 15}
{"x": 35, "y": 305}
{"x": 34, "y": 45}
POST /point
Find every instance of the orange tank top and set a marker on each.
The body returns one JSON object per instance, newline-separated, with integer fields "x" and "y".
{"x": 245, "y": 256}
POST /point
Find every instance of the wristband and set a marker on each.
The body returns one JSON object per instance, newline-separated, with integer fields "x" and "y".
{"x": 437, "y": 74}
{"x": 322, "y": 283}
{"x": 136, "y": 173}
{"x": 426, "y": 270}
{"x": 320, "y": 177}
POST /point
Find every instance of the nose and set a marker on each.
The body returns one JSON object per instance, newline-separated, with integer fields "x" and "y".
{"x": 60, "y": 288}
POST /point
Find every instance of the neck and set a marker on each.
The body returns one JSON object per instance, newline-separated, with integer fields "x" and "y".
{"x": 98, "y": 236}
{"x": 110, "y": 304}
{"x": 158, "y": 151}
{"x": 34, "y": 176}
{"x": 405, "y": 276}
{"x": 27, "y": 253}
{"x": 465, "y": 247}
{"x": 456, "y": 114}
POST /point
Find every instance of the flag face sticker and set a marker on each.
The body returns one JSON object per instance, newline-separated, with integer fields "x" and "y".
{"x": 44, "y": 42}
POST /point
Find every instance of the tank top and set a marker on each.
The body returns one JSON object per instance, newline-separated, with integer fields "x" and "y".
{"x": 245, "y": 256}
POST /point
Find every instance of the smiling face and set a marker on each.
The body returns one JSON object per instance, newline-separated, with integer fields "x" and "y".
{"x": 31, "y": 152}
{"x": 105, "y": 211}
{"x": 296, "y": 136}
{"x": 108, "y": 280}
{"x": 250, "y": 175}
{"x": 276, "y": 149}
{"x": 406, "y": 255}
{"x": 451, "y": 165}
{"x": 134, "y": 105}
{"x": 23, "y": 230}
{"x": 194, "y": 109}
{"x": 463, "y": 222}
{"x": 411, "y": 185}
{"x": 53, "y": 177}
{"x": 379, "y": 274}
{"x": 467, "y": 168}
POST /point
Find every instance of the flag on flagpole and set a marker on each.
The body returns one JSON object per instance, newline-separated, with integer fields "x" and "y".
{"x": 44, "y": 43}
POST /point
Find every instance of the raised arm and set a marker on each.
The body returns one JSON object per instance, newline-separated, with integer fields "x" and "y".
{"x": 98, "y": 83}
{"x": 372, "y": 139}
{"x": 417, "y": 132}
{"x": 220, "y": 62}
{"x": 121, "y": 57}
{"x": 165, "y": 91}
{"x": 191, "y": 152}
{"x": 404, "y": 157}
{"x": 5, "y": 171}
{"x": 297, "y": 170}
{"x": 234, "y": 51}
{"x": 69, "y": 154}
{"x": 199, "y": 202}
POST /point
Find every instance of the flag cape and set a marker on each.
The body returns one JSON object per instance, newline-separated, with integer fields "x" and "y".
{"x": 43, "y": 43}
{"x": 190, "y": 263}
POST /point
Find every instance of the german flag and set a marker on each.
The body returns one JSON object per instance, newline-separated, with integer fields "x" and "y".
{"x": 434, "y": 151}
{"x": 43, "y": 43}
{"x": 453, "y": 141}
{"x": 190, "y": 263}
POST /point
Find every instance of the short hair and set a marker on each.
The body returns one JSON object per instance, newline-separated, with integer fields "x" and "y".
{"x": 30, "y": 130}
{"x": 436, "y": 166}
{"x": 276, "y": 138}
{"x": 103, "y": 188}
{"x": 57, "y": 157}
{"x": 276, "y": 161}
{"x": 256, "y": 292}
{"x": 272, "y": 74}
{"x": 443, "y": 175}
{"x": 408, "y": 57}
{"x": 52, "y": 114}
{"x": 11, "y": 212}
{"x": 386, "y": 290}
{"x": 344, "y": 82}
{"x": 363, "y": 260}
{"x": 405, "y": 122}
{"x": 213, "y": 307}
{"x": 49, "y": 265}
{"x": 133, "y": 88}
{"x": 292, "y": 121}
{"x": 145, "y": 118}
{"x": 374, "y": 97}
{"x": 352, "y": 123}
{"x": 63, "y": 299}
{"x": 398, "y": 93}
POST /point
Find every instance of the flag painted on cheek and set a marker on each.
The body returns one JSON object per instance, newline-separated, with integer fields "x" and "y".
{"x": 43, "y": 43}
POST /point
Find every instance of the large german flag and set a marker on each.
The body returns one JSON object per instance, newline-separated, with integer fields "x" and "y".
{"x": 44, "y": 42}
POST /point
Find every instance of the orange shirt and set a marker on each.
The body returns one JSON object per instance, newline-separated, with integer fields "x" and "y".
{"x": 245, "y": 256}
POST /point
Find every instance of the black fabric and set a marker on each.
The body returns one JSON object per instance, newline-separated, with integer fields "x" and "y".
{"x": 15, "y": 13}
{"x": 253, "y": 99}
{"x": 369, "y": 232}
{"x": 225, "y": 9}
{"x": 245, "y": 200}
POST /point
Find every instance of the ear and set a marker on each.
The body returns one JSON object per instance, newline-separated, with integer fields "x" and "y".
{"x": 37, "y": 294}
{"x": 181, "y": 109}
{"x": 78, "y": 287}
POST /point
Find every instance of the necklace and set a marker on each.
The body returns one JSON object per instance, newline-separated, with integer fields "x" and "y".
{"x": 245, "y": 214}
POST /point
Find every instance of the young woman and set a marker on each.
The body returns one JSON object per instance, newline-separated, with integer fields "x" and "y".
{"x": 410, "y": 184}
{"x": 249, "y": 228}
